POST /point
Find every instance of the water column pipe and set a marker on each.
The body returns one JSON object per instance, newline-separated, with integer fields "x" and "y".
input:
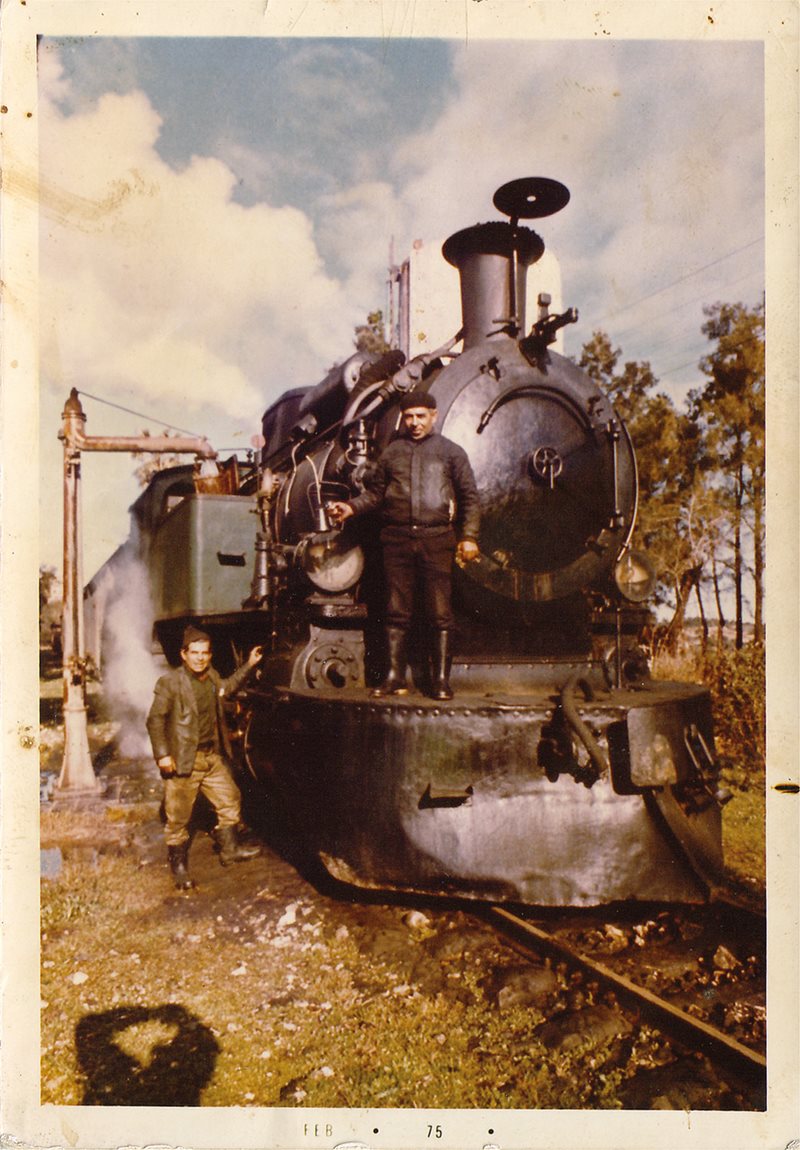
{"x": 77, "y": 778}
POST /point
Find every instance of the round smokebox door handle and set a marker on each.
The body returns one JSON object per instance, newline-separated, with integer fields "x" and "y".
{"x": 545, "y": 463}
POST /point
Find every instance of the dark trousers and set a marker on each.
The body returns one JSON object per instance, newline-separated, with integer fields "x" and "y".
{"x": 412, "y": 559}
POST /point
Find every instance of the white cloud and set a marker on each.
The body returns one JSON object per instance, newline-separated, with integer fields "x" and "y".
{"x": 360, "y": 223}
{"x": 155, "y": 281}
{"x": 661, "y": 146}
{"x": 159, "y": 292}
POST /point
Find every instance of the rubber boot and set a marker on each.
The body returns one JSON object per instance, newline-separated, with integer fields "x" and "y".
{"x": 395, "y": 680}
{"x": 231, "y": 850}
{"x": 441, "y": 660}
{"x": 178, "y": 857}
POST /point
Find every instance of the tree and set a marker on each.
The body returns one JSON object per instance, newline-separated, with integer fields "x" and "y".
{"x": 50, "y": 608}
{"x": 674, "y": 513}
{"x": 48, "y": 583}
{"x": 730, "y": 411}
{"x": 370, "y": 336}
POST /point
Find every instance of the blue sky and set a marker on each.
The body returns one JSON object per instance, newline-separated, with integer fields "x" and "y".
{"x": 216, "y": 213}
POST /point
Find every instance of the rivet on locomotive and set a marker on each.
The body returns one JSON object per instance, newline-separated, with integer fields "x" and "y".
{"x": 561, "y": 773}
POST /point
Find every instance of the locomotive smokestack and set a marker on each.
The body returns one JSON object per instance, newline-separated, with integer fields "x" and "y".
{"x": 493, "y": 261}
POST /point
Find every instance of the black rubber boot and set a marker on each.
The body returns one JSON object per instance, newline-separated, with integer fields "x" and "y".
{"x": 441, "y": 660}
{"x": 231, "y": 850}
{"x": 178, "y": 857}
{"x": 395, "y": 681}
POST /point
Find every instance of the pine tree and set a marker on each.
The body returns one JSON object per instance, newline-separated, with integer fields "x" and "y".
{"x": 730, "y": 411}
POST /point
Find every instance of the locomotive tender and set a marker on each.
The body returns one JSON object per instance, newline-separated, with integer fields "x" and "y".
{"x": 561, "y": 774}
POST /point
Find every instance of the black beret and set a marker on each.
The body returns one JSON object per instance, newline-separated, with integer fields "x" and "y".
{"x": 418, "y": 399}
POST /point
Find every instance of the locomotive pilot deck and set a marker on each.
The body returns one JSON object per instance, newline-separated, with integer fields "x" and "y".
{"x": 471, "y": 797}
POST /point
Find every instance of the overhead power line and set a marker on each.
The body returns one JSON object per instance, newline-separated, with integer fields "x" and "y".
{"x": 681, "y": 279}
{"x": 709, "y": 353}
{"x": 692, "y": 301}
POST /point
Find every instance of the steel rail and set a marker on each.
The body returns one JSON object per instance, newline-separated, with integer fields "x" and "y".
{"x": 720, "y": 1048}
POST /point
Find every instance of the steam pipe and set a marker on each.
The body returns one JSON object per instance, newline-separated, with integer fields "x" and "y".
{"x": 579, "y": 679}
{"x": 403, "y": 380}
{"x": 261, "y": 588}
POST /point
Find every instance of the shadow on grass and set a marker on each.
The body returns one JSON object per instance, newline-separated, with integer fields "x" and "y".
{"x": 125, "y": 1064}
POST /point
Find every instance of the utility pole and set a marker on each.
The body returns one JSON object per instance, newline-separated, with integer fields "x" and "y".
{"x": 77, "y": 778}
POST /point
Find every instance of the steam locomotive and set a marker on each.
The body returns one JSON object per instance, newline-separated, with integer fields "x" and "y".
{"x": 561, "y": 773}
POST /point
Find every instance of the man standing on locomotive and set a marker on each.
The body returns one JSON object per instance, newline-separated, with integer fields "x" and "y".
{"x": 190, "y": 743}
{"x": 424, "y": 487}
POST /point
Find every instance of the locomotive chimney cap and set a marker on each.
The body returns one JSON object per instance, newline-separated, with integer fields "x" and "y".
{"x": 496, "y": 238}
{"x": 531, "y": 198}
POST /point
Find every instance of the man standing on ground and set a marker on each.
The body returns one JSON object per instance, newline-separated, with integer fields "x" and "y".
{"x": 425, "y": 490}
{"x": 190, "y": 743}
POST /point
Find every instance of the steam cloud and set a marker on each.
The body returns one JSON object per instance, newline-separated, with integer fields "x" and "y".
{"x": 130, "y": 667}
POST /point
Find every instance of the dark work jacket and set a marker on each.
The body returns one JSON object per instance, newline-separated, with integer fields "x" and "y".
{"x": 173, "y": 722}
{"x": 426, "y": 484}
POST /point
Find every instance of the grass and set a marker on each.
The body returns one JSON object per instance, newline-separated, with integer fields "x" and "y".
{"x": 292, "y": 1011}
{"x": 295, "y": 1013}
{"x": 744, "y": 837}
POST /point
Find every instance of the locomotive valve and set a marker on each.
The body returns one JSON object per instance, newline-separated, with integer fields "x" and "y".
{"x": 544, "y": 330}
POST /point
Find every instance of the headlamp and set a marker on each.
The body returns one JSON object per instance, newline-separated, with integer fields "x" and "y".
{"x": 328, "y": 563}
{"x": 635, "y": 576}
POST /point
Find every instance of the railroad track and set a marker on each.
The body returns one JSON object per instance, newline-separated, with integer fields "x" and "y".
{"x": 692, "y": 1033}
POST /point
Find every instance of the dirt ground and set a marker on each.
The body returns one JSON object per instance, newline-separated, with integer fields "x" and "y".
{"x": 267, "y": 986}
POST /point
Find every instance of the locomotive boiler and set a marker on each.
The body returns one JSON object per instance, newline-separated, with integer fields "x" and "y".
{"x": 561, "y": 773}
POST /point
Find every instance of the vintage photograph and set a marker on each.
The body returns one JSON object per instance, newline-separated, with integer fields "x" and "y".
{"x": 402, "y": 408}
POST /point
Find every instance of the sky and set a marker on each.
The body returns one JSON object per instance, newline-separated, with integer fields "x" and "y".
{"x": 216, "y": 213}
